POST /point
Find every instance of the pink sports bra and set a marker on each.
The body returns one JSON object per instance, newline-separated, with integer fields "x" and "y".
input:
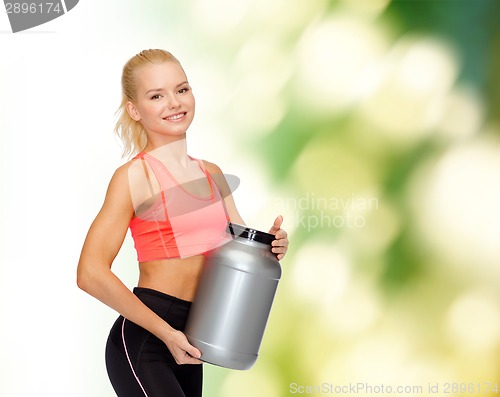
{"x": 178, "y": 224}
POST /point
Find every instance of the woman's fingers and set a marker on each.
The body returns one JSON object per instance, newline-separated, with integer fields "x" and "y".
{"x": 182, "y": 351}
{"x": 280, "y": 244}
{"x": 276, "y": 225}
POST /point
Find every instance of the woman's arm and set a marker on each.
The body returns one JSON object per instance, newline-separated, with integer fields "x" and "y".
{"x": 94, "y": 275}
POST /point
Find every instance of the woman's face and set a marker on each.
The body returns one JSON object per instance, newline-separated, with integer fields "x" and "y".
{"x": 165, "y": 103}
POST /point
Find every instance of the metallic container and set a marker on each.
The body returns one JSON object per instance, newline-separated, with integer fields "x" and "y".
{"x": 233, "y": 300}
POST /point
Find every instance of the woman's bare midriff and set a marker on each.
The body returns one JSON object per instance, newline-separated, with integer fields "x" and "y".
{"x": 175, "y": 277}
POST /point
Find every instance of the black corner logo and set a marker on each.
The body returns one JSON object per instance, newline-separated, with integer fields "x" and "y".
{"x": 27, "y": 14}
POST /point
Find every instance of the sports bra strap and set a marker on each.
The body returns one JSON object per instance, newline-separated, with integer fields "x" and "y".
{"x": 148, "y": 177}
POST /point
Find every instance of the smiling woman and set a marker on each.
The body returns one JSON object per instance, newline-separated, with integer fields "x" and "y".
{"x": 177, "y": 208}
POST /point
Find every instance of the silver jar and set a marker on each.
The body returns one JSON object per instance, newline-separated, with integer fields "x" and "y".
{"x": 233, "y": 300}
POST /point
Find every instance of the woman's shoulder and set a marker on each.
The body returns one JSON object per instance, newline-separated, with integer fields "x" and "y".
{"x": 129, "y": 170}
{"x": 137, "y": 177}
{"x": 212, "y": 167}
{"x": 119, "y": 182}
{"x": 124, "y": 175}
{"x": 226, "y": 183}
{"x": 122, "y": 172}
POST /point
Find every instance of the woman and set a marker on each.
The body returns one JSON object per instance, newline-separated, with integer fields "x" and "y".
{"x": 177, "y": 208}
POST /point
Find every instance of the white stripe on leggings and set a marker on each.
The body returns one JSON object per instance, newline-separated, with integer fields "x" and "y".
{"x": 128, "y": 358}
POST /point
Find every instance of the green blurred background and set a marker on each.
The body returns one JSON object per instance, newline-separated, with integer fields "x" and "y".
{"x": 371, "y": 125}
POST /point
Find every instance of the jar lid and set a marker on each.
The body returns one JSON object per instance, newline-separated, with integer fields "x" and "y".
{"x": 250, "y": 234}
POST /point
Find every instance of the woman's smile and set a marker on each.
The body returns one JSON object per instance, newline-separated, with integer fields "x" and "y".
{"x": 175, "y": 118}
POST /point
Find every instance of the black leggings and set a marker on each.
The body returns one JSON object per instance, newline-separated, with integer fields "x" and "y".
{"x": 140, "y": 365}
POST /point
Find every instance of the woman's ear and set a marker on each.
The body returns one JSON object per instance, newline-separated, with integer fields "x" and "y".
{"x": 132, "y": 111}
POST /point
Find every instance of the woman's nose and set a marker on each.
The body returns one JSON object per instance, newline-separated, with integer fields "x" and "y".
{"x": 172, "y": 102}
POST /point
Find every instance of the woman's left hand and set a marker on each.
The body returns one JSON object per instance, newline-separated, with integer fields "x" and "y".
{"x": 280, "y": 244}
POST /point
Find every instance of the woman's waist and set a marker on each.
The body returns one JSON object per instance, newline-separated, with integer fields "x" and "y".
{"x": 177, "y": 277}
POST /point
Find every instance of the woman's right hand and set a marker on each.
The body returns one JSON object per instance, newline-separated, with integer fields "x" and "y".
{"x": 182, "y": 351}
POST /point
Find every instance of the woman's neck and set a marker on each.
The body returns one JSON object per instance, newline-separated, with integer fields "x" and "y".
{"x": 174, "y": 151}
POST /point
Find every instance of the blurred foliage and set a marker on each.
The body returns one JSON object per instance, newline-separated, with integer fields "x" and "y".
{"x": 457, "y": 22}
{"x": 408, "y": 276}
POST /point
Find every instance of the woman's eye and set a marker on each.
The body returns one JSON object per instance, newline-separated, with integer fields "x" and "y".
{"x": 157, "y": 96}
{"x": 184, "y": 90}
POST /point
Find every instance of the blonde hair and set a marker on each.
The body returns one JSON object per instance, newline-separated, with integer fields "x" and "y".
{"x": 132, "y": 132}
